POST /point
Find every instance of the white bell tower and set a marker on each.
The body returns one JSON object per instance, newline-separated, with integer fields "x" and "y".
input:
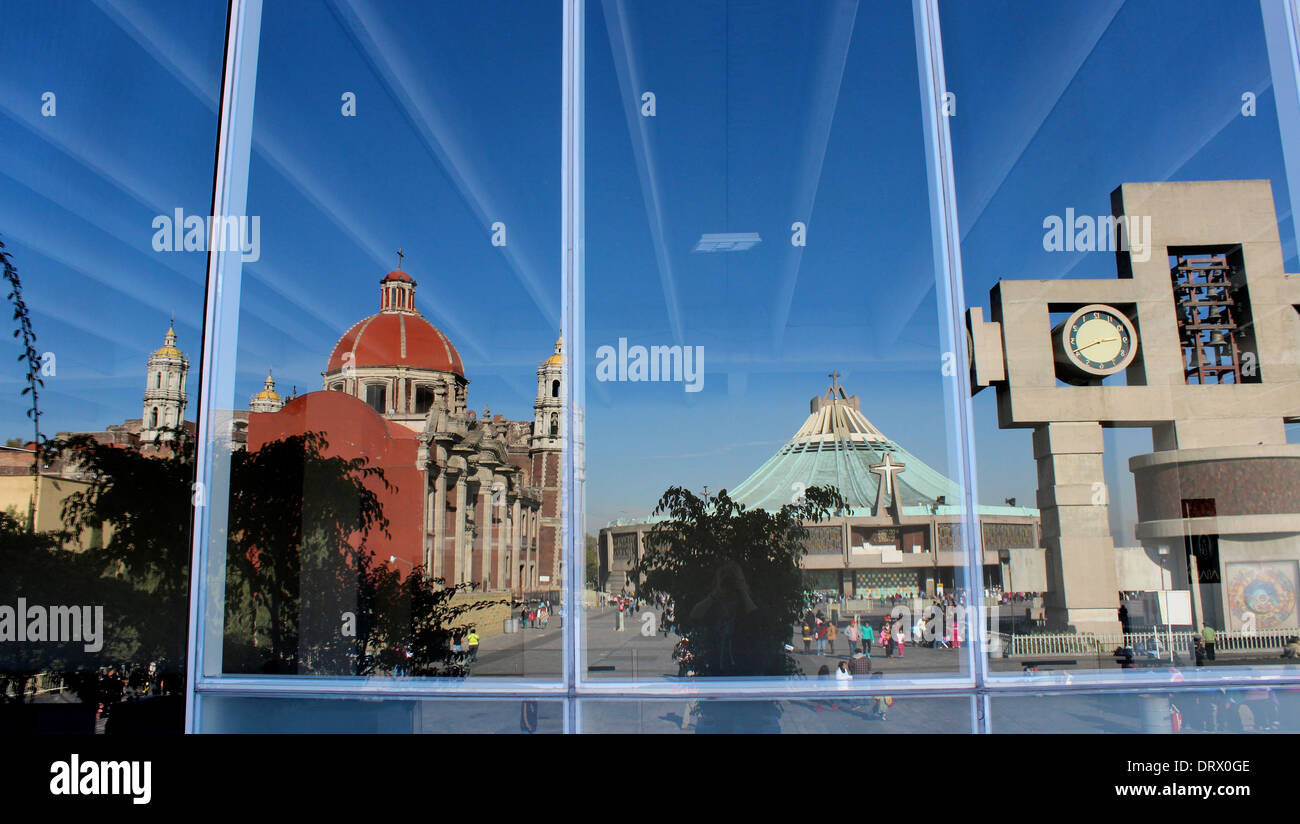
{"x": 164, "y": 391}
{"x": 548, "y": 409}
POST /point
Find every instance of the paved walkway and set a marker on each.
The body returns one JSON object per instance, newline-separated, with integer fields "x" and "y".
{"x": 641, "y": 652}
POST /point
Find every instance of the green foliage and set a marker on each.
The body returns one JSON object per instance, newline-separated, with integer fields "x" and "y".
{"x": 146, "y": 501}
{"x": 418, "y": 616}
{"x": 304, "y": 593}
{"x": 28, "y": 356}
{"x": 592, "y": 564}
{"x": 294, "y": 512}
{"x": 733, "y": 575}
{"x": 34, "y": 567}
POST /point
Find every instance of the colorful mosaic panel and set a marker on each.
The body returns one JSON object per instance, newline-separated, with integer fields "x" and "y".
{"x": 1265, "y": 590}
{"x": 1008, "y": 536}
{"x": 882, "y": 583}
{"x": 949, "y": 536}
{"x": 824, "y": 540}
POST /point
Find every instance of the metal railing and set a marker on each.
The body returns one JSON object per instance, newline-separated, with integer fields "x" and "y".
{"x": 1100, "y": 644}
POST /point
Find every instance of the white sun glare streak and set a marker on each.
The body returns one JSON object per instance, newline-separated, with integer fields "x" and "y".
{"x": 1001, "y": 167}
{"x": 826, "y": 94}
{"x": 1231, "y": 113}
{"x": 149, "y": 35}
{"x": 620, "y": 41}
{"x": 408, "y": 86}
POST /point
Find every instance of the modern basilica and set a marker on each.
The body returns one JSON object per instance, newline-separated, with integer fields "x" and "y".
{"x": 903, "y": 531}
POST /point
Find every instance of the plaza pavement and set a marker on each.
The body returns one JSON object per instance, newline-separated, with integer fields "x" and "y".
{"x": 632, "y": 655}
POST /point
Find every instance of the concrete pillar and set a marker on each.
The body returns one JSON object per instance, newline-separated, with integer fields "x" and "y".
{"x": 530, "y": 519}
{"x": 503, "y": 524}
{"x": 1073, "y": 498}
{"x": 516, "y": 535}
{"x": 439, "y": 522}
{"x": 483, "y": 548}
{"x": 461, "y": 572}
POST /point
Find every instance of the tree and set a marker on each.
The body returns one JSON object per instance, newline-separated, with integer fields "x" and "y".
{"x": 419, "y": 617}
{"x": 592, "y": 565}
{"x": 35, "y": 568}
{"x": 297, "y": 516}
{"x": 145, "y": 500}
{"x": 305, "y": 594}
{"x": 733, "y": 576}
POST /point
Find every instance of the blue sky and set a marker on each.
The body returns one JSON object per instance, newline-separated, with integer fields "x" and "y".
{"x": 766, "y": 114}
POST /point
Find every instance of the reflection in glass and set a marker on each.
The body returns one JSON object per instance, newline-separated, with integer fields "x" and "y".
{"x": 384, "y": 517}
{"x": 1138, "y": 338}
{"x": 1257, "y": 709}
{"x": 387, "y": 716}
{"x": 876, "y": 714}
{"x": 106, "y": 150}
{"x": 758, "y": 237}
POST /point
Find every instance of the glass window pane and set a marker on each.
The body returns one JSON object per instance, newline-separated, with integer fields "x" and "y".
{"x": 385, "y": 517}
{"x": 762, "y": 318}
{"x": 1126, "y": 234}
{"x": 386, "y": 716}
{"x": 108, "y": 118}
{"x": 857, "y": 716}
{"x": 1260, "y": 709}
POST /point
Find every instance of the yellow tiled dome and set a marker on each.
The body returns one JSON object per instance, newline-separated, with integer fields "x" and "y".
{"x": 168, "y": 349}
{"x": 557, "y": 358}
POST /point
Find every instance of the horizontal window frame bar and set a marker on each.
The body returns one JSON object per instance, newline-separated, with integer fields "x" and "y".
{"x": 1080, "y": 681}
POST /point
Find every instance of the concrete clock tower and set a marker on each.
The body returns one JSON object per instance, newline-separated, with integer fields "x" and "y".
{"x": 1198, "y": 340}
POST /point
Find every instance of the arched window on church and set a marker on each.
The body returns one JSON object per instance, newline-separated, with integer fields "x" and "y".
{"x": 555, "y": 389}
{"x": 375, "y": 397}
{"x": 153, "y": 418}
{"x": 157, "y": 381}
{"x": 555, "y": 425}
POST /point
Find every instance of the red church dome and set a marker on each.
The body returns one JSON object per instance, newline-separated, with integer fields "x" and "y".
{"x": 397, "y": 335}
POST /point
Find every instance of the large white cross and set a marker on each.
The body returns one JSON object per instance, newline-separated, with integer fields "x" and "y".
{"x": 886, "y": 469}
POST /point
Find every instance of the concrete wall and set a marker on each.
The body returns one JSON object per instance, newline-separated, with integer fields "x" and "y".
{"x": 1138, "y": 569}
{"x": 1028, "y": 570}
{"x": 16, "y": 496}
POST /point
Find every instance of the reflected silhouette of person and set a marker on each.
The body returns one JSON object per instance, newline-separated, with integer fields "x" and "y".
{"x": 725, "y": 611}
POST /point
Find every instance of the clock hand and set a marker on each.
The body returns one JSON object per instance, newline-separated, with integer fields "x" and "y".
{"x": 1094, "y": 343}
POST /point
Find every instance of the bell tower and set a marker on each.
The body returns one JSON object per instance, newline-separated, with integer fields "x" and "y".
{"x": 164, "y": 391}
{"x": 545, "y": 452}
{"x": 548, "y": 409}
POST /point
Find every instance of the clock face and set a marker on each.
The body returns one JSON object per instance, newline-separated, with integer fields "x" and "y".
{"x": 1100, "y": 339}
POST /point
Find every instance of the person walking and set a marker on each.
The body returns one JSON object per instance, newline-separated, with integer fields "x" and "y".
{"x": 821, "y": 638}
{"x": 1209, "y": 636}
{"x": 807, "y": 638}
{"x": 887, "y": 639}
{"x": 472, "y": 641}
{"x": 853, "y": 635}
{"x": 868, "y": 635}
{"x": 900, "y": 638}
{"x": 830, "y": 636}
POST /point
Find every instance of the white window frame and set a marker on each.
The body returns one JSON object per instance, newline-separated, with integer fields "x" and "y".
{"x": 975, "y": 681}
